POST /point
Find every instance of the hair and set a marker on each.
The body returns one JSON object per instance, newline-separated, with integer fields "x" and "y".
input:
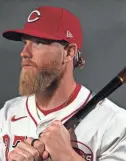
{"x": 79, "y": 58}
{"x": 80, "y": 62}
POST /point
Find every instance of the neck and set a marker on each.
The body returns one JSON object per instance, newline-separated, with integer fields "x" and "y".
{"x": 57, "y": 95}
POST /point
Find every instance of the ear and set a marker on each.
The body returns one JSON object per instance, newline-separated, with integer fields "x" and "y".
{"x": 71, "y": 52}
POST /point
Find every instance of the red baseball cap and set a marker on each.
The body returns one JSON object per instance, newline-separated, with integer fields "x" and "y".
{"x": 50, "y": 23}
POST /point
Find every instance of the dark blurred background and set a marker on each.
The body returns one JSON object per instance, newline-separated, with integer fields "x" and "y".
{"x": 104, "y": 46}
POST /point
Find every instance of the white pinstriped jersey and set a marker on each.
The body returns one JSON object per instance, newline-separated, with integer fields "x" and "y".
{"x": 101, "y": 136}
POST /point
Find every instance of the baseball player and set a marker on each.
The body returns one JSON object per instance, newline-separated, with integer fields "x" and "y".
{"x": 32, "y": 125}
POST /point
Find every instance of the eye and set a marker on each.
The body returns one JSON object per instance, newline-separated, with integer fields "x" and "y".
{"x": 24, "y": 41}
{"x": 37, "y": 43}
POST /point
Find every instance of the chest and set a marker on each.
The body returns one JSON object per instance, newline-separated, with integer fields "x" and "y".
{"x": 82, "y": 140}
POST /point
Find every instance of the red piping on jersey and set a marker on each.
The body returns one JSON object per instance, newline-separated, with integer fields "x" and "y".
{"x": 78, "y": 108}
{"x": 72, "y": 98}
{"x": 30, "y": 113}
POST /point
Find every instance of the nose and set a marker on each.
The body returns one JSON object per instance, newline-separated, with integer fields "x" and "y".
{"x": 27, "y": 50}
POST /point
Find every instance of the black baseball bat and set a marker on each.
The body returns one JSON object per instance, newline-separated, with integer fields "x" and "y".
{"x": 114, "y": 84}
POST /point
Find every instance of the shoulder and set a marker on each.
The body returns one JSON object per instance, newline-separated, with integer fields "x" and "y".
{"x": 14, "y": 101}
{"x": 105, "y": 118}
{"x": 12, "y": 105}
{"x": 110, "y": 108}
{"x": 106, "y": 109}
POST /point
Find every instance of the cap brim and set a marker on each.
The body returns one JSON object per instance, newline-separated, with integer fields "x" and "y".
{"x": 16, "y": 35}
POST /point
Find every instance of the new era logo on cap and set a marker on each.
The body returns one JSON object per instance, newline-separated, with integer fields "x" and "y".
{"x": 69, "y": 34}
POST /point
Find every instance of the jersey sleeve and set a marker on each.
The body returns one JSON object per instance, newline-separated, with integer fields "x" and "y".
{"x": 113, "y": 145}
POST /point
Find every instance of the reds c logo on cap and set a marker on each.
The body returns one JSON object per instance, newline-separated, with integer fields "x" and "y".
{"x": 34, "y": 19}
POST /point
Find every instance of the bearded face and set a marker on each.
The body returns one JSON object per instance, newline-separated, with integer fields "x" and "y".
{"x": 34, "y": 79}
{"x": 42, "y": 65}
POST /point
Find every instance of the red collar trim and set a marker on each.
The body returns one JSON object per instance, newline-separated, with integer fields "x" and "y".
{"x": 68, "y": 116}
{"x": 72, "y": 98}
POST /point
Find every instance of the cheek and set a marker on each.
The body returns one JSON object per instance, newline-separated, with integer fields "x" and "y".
{"x": 48, "y": 59}
{"x": 40, "y": 58}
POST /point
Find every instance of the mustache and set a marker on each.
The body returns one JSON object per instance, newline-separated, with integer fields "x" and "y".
{"x": 28, "y": 63}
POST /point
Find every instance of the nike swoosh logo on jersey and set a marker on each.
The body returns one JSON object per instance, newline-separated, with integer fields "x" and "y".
{"x": 14, "y": 118}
